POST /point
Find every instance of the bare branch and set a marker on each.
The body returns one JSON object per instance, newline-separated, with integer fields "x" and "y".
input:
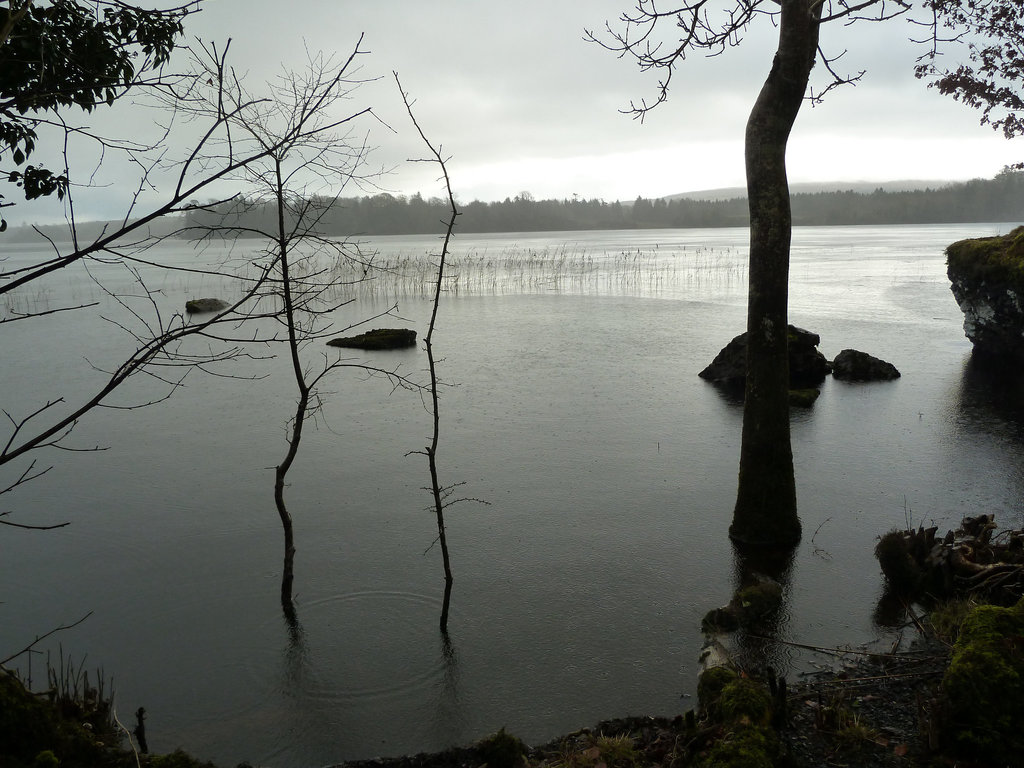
{"x": 42, "y": 637}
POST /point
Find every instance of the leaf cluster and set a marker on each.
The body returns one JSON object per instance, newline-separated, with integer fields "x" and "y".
{"x": 992, "y": 76}
{"x": 71, "y": 53}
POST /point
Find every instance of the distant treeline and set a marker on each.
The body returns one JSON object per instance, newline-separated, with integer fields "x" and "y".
{"x": 998, "y": 199}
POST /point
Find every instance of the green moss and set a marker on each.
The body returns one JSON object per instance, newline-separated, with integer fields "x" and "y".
{"x": 984, "y": 686}
{"x": 945, "y": 619}
{"x": 759, "y": 600}
{"x": 502, "y": 750}
{"x": 743, "y": 700}
{"x": 998, "y": 259}
{"x": 46, "y": 759}
{"x": 749, "y": 747}
{"x": 710, "y": 686}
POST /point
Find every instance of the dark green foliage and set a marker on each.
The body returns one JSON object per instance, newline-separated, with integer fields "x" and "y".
{"x": 65, "y": 53}
{"x": 992, "y": 76}
{"x": 502, "y": 750}
{"x": 71, "y": 54}
{"x": 998, "y": 259}
{"x": 984, "y": 686}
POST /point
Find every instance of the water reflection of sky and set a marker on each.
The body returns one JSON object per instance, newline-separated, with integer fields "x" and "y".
{"x": 610, "y": 469}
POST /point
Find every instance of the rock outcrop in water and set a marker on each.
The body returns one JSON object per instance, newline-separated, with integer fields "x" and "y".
{"x": 199, "y": 306}
{"x": 379, "y": 338}
{"x": 853, "y": 365}
{"x": 807, "y": 366}
{"x": 986, "y": 276}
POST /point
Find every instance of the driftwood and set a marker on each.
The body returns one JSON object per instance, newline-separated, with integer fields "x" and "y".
{"x": 975, "y": 559}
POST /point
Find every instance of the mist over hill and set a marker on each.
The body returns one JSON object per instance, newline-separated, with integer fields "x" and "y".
{"x": 815, "y": 187}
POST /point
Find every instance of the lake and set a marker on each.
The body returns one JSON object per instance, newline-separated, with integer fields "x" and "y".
{"x": 575, "y": 412}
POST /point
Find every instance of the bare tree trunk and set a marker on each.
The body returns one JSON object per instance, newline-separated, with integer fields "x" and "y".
{"x": 301, "y": 406}
{"x": 437, "y": 491}
{"x": 765, "y": 512}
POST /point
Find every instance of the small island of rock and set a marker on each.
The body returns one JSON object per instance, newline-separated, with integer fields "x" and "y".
{"x": 378, "y": 338}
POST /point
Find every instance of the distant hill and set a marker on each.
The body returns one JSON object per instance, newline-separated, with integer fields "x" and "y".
{"x": 814, "y": 187}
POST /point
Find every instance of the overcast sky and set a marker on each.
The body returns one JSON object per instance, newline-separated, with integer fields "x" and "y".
{"x": 520, "y": 102}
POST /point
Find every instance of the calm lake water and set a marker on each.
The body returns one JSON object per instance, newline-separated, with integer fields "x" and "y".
{"x": 575, "y": 412}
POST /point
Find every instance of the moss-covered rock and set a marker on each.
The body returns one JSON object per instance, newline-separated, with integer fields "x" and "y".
{"x": 983, "y": 687}
{"x": 749, "y": 605}
{"x": 743, "y": 748}
{"x": 745, "y": 701}
{"x": 709, "y": 689}
{"x": 998, "y": 259}
{"x": 742, "y": 708}
{"x": 986, "y": 276}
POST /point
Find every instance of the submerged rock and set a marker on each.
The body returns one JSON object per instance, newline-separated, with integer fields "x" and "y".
{"x": 807, "y": 366}
{"x": 199, "y": 306}
{"x": 749, "y": 605}
{"x": 378, "y": 338}
{"x": 853, "y": 365}
{"x": 803, "y": 398}
{"x": 986, "y": 276}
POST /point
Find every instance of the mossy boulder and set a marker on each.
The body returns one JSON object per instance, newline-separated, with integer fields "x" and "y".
{"x": 986, "y": 275}
{"x": 378, "y": 338}
{"x": 743, "y": 748}
{"x": 743, "y": 709}
{"x": 710, "y": 685}
{"x": 997, "y": 259}
{"x": 983, "y": 688}
{"x": 748, "y": 606}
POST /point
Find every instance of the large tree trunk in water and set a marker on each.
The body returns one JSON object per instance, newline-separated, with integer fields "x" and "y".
{"x": 765, "y": 511}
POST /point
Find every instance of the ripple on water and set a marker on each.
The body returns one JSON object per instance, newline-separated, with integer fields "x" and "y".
{"x": 358, "y": 646}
